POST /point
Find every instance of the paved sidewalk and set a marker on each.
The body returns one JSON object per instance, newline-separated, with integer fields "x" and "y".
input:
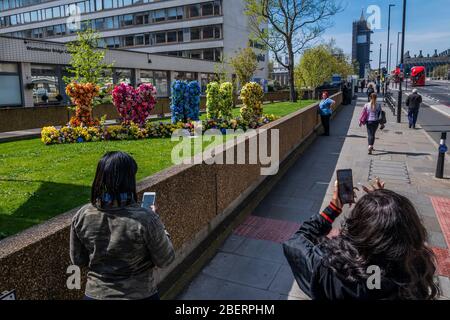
{"x": 251, "y": 265}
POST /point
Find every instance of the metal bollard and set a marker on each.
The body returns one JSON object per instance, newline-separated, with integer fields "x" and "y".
{"x": 441, "y": 158}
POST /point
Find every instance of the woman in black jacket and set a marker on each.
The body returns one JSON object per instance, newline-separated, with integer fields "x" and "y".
{"x": 382, "y": 232}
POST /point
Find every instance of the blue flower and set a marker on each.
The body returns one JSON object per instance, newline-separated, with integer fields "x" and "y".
{"x": 80, "y": 139}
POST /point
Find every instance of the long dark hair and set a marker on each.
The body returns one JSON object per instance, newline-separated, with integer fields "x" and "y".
{"x": 384, "y": 229}
{"x": 116, "y": 175}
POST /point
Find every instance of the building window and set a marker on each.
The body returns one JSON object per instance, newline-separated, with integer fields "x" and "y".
{"x": 195, "y": 34}
{"x": 160, "y": 37}
{"x": 172, "y": 36}
{"x": 217, "y": 8}
{"x": 181, "y": 75}
{"x": 208, "y": 54}
{"x": 123, "y": 76}
{"x": 128, "y": 41}
{"x": 158, "y": 79}
{"x": 195, "y": 54}
{"x": 127, "y": 20}
{"x": 139, "y": 40}
{"x": 175, "y": 13}
{"x": 159, "y": 15}
{"x": 208, "y": 32}
{"x": 194, "y": 10}
{"x": 10, "y": 87}
{"x": 207, "y": 9}
{"x": 46, "y": 84}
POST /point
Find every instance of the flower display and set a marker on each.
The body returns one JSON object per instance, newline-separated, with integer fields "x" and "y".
{"x": 178, "y": 101}
{"x": 213, "y": 100}
{"x": 129, "y": 130}
{"x": 82, "y": 95}
{"x": 132, "y": 104}
{"x": 226, "y": 100}
{"x": 192, "y": 105}
{"x": 252, "y": 100}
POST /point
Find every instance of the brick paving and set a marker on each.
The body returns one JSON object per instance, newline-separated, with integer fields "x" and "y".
{"x": 251, "y": 265}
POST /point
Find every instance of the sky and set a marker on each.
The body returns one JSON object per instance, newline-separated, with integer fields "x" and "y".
{"x": 427, "y": 26}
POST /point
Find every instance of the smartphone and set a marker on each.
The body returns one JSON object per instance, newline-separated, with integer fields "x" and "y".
{"x": 148, "y": 199}
{"x": 345, "y": 186}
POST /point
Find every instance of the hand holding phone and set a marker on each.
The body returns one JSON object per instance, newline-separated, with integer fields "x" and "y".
{"x": 148, "y": 200}
{"x": 345, "y": 186}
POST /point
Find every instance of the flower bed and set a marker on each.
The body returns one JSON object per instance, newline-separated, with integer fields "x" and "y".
{"x": 131, "y": 131}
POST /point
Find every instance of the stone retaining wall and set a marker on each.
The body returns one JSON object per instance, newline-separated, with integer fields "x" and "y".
{"x": 192, "y": 201}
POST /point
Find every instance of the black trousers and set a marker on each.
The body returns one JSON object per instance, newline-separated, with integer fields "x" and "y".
{"x": 326, "y": 124}
{"x": 372, "y": 127}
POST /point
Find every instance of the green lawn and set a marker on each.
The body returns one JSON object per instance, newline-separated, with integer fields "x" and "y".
{"x": 38, "y": 182}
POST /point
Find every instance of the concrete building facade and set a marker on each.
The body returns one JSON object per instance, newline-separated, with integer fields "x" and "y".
{"x": 196, "y": 29}
{"x": 33, "y": 69}
{"x": 184, "y": 39}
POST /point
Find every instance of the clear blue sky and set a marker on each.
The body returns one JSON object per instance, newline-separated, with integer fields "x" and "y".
{"x": 427, "y": 26}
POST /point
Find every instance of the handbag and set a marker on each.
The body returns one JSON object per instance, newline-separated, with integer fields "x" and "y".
{"x": 363, "y": 117}
{"x": 382, "y": 116}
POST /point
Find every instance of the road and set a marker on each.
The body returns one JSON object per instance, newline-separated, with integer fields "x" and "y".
{"x": 437, "y": 91}
{"x": 432, "y": 121}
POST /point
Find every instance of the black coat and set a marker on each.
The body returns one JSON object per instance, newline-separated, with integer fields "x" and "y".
{"x": 413, "y": 101}
{"x": 307, "y": 261}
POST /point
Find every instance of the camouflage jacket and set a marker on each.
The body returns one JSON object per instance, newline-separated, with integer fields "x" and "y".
{"x": 120, "y": 247}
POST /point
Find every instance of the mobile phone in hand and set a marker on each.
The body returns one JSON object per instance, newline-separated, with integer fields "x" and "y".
{"x": 148, "y": 199}
{"x": 345, "y": 186}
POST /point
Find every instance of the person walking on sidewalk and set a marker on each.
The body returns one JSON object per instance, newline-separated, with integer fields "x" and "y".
{"x": 374, "y": 111}
{"x": 119, "y": 242}
{"x": 383, "y": 235}
{"x": 370, "y": 90}
{"x": 413, "y": 103}
{"x": 363, "y": 84}
{"x": 325, "y": 111}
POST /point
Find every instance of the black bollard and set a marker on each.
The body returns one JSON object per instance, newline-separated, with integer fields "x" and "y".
{"x": 441, "y": 158}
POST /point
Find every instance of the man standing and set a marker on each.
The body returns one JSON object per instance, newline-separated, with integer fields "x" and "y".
{"x": 363, "y": 84}
{"x": 413, "y": 103}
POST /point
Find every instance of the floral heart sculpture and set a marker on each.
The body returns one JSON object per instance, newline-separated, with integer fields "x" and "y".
{"x": 82, "y": 95}
{"x": 134, "y": 105}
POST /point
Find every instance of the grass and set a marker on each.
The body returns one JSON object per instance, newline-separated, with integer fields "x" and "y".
{"x": 38, "y": 182}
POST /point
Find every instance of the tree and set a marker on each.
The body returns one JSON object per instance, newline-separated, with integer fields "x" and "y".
{"x": 442, "y": 71}
{"x": 270, "y": 68}
{"x": 292, "y": 25}
{"x": 86, "y": 64}
{"x": 244, "y": 64}
{"x": 318, "y": 65}
{"x": 221, "y": 71}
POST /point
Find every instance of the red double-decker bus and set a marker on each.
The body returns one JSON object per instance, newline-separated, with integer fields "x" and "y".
{"x": 418, "y": 76}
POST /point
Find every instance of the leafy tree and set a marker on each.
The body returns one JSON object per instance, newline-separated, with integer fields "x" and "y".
{"x": 318, "y": 65}
{"x": 442, "y": 71}
{"x": 221, "y": 71}
{"x": 86, "y": 64}
{"x": 244, "y": 64}
{"x": 289, "y": 26}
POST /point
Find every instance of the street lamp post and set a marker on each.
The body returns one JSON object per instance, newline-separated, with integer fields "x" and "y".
{"x": 402, "y": 60}
{"x": 390, "y": 56}
{"x": 389, "y": 33}
{"x": 379, "y": 61}
{"x": 398, "y": 44}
